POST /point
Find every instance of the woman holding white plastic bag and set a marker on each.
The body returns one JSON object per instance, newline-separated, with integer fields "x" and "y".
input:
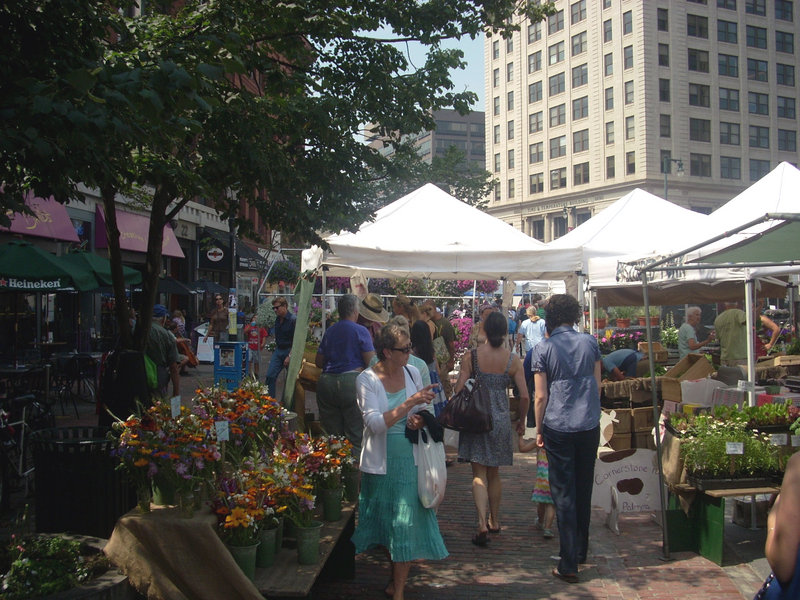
{"x": 390, "y": 512}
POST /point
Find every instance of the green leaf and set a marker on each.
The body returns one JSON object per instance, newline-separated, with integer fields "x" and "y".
{"x": 81, "y": 79}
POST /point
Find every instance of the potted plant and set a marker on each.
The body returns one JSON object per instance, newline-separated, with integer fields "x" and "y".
{"x": 653, "y": 313}
{"x": 600, "y": 318}
{"x": 669, "y": 333}
{"x": 622, "y": 315}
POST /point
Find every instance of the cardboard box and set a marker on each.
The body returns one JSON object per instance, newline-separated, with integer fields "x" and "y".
{"x": 691, "y": 366}
{"x": 642, "y": 419}
{"x": 670, "y": 407}
{"x": 660, "y": 353}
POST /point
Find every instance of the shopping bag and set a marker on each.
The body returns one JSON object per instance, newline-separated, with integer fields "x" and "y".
{"x": 431, "y": 470}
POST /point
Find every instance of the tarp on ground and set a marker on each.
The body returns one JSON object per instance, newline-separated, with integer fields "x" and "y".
{"x": 430, "y": 234}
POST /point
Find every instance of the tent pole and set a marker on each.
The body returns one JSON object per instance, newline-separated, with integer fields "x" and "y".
{"x": 656, "y": 420}
{"x": 324, "y": 300}
{"x": 592, "y": 312}
{"x": 749, "y": 309}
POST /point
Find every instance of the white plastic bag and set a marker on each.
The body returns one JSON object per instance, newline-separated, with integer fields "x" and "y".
{"x": 431, "y": 470}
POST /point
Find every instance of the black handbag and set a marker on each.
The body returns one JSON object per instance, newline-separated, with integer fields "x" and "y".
{"x": 469, "y": 410}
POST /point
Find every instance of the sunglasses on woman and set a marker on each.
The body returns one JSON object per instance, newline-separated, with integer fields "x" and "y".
{"x": 405, "y": 350}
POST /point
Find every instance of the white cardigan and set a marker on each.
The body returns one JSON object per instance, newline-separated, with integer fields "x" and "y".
{"x": 373, "y": 403}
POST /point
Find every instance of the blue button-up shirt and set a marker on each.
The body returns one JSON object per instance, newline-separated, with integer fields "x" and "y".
{"x": 284, "y": 331}
{"x": 568, "y": 359}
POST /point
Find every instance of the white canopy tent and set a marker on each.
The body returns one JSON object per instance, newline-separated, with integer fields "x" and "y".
{"x": 430, "y": 234}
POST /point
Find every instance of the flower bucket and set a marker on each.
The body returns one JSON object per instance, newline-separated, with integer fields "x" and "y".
{"x": 163, "y": 491}
{"x": 279, "y": 535}
{"x": 265, "y": 555}
{"x": 623, "y": 323}
{"x": 331, "y": 504}
{"x": 308, "y": 543}
{"x": 245, "y": 557}
{"x": 351, "y": 481}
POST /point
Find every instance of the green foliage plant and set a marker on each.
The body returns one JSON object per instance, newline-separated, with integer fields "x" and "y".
{"x": 669, "y": 333}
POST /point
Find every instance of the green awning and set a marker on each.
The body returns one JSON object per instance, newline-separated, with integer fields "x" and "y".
{"x": 778, "y": 244}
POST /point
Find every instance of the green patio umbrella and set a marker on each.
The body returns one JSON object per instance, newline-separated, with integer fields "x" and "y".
{"x": 27, "y": 268}
{"x": 100, "y": 266}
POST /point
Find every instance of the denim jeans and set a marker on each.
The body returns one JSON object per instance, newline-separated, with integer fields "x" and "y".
{"x": 274, "y": 369}
{"x": 571, "y": 457}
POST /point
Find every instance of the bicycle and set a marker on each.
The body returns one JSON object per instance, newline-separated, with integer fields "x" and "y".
{"x": 75, "y": 380}
{"x": 25, "y": 414}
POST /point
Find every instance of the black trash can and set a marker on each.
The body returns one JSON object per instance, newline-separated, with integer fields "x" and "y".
{"x": 77, "y": 488}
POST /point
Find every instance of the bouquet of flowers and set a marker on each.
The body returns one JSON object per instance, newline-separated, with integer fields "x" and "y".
{"x": 290, "y": 486}
{"x": 240, "y": 507}
{"x": 337, "y": 452}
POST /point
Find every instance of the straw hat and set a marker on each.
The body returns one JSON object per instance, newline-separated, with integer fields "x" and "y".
{"x": 371, "y": 308}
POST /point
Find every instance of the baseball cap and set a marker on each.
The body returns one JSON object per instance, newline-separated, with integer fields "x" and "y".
{"x": 159, "y": 310}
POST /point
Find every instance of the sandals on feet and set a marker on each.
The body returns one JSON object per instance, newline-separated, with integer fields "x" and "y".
{"x": 481, "y": 539}
{"x": 569, "y": 578}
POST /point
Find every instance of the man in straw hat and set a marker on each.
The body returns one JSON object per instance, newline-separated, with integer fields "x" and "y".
{"x": 372, "y": 314}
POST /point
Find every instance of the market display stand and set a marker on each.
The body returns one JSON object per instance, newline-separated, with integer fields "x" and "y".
{"x": 288, "y": 579}
{"x": 703, "y": 530}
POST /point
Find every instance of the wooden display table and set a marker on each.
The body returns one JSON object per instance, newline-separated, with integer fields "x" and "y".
{"x": 288, "y": 579}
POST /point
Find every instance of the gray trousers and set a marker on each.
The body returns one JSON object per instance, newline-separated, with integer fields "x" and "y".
{"x": 338, "y": 409}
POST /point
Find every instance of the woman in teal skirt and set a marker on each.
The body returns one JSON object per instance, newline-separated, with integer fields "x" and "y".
{"x": 390, "y": 514}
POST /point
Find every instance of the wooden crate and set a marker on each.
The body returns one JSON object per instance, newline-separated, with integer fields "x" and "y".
{"x": 642, "y": 419}
{"x": 660, "y": 354}
{"x": 787, "y": 360}
{"x": 643, "y": 439}
{"x": 621, "y": 441}
{"x": 623, "y": 416}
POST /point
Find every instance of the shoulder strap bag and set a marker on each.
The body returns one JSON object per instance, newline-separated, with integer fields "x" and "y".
{"x": 469, "y": 409}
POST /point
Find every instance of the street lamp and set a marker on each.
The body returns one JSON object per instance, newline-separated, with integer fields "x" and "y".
{"x": 666, "y": 166}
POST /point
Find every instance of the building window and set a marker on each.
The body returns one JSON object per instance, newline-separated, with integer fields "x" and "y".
{"x": 578, "y": 12}
{"x": 495, "y": 77}
{"x": 496, "y": 109}
{"x": 536, "y": 153}
{"x": 784, "y": 74}
{"x": 757, "y": 70}
{"x": 663, "y": 90}
{"x": 511, "y": 159}
{"x": 557, "y": 84}
{"x": 786, "y": 107}
{"x": 728, "y": 65}
{"x": 534, "y": 32}
{"x": 580, "y": 75}
{"x": 787, "y": 140}
{"x": 663, "y": 55}
{"x": 606, "y": 4}
{"x": 729, "y": 4}
{"x": 784, "y": 42}
{"x": 497, "y": 163}
{"x": 510, "y": 188}
{"x": 756, "y": 37}
{"x": 608, "y": 64}
{"x": 784, "y": 10}
{"x": 757, "y": 104}
{"x": 729, "y": 133}
{"x": 759, "y": 136}
{"x": 699, "y": 95}
{"x": 535, "y": 122}
{"x": 510, "y": 130}
{"x": 665, "y": 156}
{"x": 558, "y": 178}
{"x": 727, "y": 31}
{"x": 580, "y": 108}
{"x": 630, "y": 128}
{"x": 558, "y": 146}
{"x": 510, "y": 101}
{"x": 700, "y": 165}
{"x": 497, "y": 134}
{"x": 609, "y": 98}
{"x": 627, "y": 57}
{"x": 663, "y": 19}
{"x": 555, "y": 23}
{"x": 509, "y": 45}
{"x": 580, "y": 174}
{"x": 630, "y": 163}
{"x": 629, "y": 92}
{"x": 497, "y": 191}
{"x": 700, "y": 130}
{"x": 665, "y": 126}
{"x": 627, "y": 22}
{"x": 580, "y": 141}
{"x": 610, "y": 170}
{"x": 534, "y": 61}
{"x": 495, "y": 50}
{"x": 535, "y": 91}
{"x": 579, "y": 44}
{"x": 758, "y": 168}
{"x": 698, "y": 60}
{"x": 558, "y": 115}
{"x": 555, "y": 53}
{"x": 510, "y": 72}
{"x": 537, "y": 231}
{"x": 755, "y": 7}
{"x": 610, "y": 133}
{"x": 697, "y": 26}
{"x": 537, "y": 183}
{"x": 728, "y": 99}
{"x": 730, "y": 167}
{"x": 608, "y": 32}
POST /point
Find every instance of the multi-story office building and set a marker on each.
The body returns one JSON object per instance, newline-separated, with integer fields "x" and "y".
{"x": 605, "y": 95}
{"x": 465, "y": 132}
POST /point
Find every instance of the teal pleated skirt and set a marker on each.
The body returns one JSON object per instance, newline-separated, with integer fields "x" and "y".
{"x": 390, "y": 513}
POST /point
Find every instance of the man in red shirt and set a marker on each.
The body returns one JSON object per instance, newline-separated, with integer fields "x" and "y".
{"x": 256, "y": 337}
